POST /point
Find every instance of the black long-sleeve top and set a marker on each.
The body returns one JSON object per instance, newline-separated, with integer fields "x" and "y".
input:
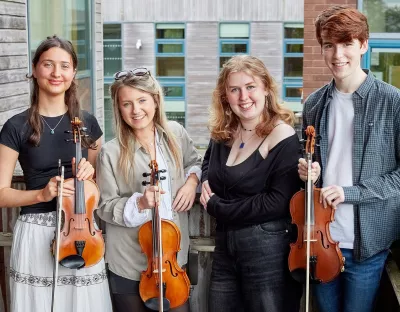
{"x": 260, "y": 193}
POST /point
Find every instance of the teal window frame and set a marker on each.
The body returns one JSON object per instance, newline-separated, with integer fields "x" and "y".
{"x": 291, "y": 82}
{"x": 172, "y": 81}
{"x": 223, "y": 40}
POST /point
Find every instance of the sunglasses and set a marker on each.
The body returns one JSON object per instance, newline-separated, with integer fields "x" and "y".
{"x": 139, "y": 72}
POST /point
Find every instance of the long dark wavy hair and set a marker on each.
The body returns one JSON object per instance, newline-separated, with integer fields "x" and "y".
{"x": 71, "y": 99}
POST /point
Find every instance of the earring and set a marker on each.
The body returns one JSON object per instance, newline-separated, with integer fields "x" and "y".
{"x": 228, "y": 112}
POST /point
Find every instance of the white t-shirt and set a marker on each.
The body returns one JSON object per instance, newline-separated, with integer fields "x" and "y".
{"x": 339, "y": 164}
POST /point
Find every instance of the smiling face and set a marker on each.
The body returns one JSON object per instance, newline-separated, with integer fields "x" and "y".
{"x": 54, "y": 72}
{"x": 137, "y": 108}
{"x": 246, "y": 96}
{"x": 344, "y": 59}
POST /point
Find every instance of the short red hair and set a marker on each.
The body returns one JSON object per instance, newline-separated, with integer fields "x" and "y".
{"x": 341, "y": 24}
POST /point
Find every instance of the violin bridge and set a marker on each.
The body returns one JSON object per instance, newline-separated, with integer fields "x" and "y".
{"x": 156, "y": 270}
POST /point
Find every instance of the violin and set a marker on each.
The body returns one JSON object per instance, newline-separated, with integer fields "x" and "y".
{"x": 81, "y": 242}
{"x": 164, "y": 285}
{"x": 314, "y": 257}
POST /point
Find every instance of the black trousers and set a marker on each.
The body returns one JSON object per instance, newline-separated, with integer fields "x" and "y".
{"x": 125, "y": 296}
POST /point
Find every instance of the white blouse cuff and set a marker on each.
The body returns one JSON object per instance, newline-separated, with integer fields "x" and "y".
{"x": 196, "y": 170}
{"x": 132, "y": 216}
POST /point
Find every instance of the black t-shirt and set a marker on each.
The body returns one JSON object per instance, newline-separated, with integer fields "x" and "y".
{"x": 40, "y": 163}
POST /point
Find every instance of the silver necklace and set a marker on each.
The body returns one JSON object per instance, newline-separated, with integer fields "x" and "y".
{"x": 52, "y": 129}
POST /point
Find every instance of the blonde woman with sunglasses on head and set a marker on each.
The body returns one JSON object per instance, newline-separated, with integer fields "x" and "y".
{"x": 142, "y": 134}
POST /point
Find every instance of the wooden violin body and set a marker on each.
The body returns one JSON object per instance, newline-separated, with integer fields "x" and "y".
{"x": 79, "y": 234}
{"x": 325, "y": 256}
{"x": 175, "y": 280}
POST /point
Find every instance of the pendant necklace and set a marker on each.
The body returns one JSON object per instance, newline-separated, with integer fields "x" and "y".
{"x": 52, "y": 129}
{"x": 241, "y": 138}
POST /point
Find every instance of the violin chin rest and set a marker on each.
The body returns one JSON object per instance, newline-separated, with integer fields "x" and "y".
{"x": 73, "y": 262}
{"x": 153, "y": 304}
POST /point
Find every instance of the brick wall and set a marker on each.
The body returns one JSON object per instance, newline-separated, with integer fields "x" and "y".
{"x": 315, "y": 72}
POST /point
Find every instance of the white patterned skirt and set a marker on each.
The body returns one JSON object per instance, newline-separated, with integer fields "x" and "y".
{"x": 31, "y": 273}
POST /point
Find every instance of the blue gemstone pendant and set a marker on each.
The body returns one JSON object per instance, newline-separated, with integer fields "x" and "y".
{"x": 52, "y": 131}
{"x": 241, "y": 145}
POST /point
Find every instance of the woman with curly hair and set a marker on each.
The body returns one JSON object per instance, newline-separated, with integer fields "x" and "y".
{"x": 249, "y": 175}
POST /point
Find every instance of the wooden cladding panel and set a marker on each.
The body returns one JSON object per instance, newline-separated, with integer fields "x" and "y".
{"x": 205, "y": 10}
{"x": 202, "y": 67}
{"x": 266, "y": 43}
{"x": 143, "y": 57}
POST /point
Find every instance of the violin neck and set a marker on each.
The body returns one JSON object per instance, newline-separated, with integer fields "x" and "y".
{"x": 79, "y": 185}
{"x": 309, "y": 198}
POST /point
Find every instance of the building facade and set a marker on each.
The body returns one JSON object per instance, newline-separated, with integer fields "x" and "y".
{"x": 184, "y": 44}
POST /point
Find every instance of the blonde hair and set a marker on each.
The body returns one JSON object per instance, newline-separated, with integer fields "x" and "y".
{"x": 126, "y": 135}
{"x": 223, "y": 122}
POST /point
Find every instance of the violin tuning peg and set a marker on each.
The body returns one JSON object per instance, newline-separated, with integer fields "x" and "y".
{"x": 162, "y": 178}
{"x": 84, "y": 129}
{"x": 68, "y": 140}
{"x": 67, "y": 131}
{"x": 319, "y": 145}
{"x": 163, "y": 170}
{"x": 145, "y": 174}
{"x": 144, "y": 183}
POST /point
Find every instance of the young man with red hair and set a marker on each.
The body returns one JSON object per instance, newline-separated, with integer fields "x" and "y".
{"x": 358, "y": 160}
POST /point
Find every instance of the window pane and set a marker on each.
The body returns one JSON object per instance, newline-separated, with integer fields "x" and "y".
{"x": 112, "y": 31}
{"x": 169, "y": 48}
{"x": 112, "y": 57}
{"x": 230, "y": 30}
{"x": 294, "y": 48}
{"x": 222, "y": 60}
{"x": 170, "y": 34}
{"x": 293, "y": 92}
{"x": 177, "y": 116}
{"x": 385, "y": 65}
{"x": 293, "y": 67}
{"x": 170, "y": 91}
{"x": 294, "y": 32}
{"x": 108, "y": 115}
{"x": 383, "y": 16}
{"x": 170, "y": 66}
{"x": 234, "y": 48}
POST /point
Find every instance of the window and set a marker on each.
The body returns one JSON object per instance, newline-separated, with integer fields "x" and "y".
{"x": 74, "y": 24}
{"x": 170, "y": 68}
{"x": 112, "y": 47}
{"x": 234, "y": 39}
{"x": 383, "y": 16}
{"x": 293, "y": 62}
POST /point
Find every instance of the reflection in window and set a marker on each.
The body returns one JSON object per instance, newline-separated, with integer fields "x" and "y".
{"x": 385, "y": 65}
{"x": 294, "y": 92}
{"x": 69, "y": 20}
{"x": 293, "y": 67}
{"x": 108, "y": 114}
{"x": 293, "y": 62}
{"x": 234, "y": 39}
{"x": 293, "y": 43}
{"x": 383, "y": 15}
{"x": 170, "y": 68}
{"x": 169, "y": 48}
{"x": 112, "y": 48}
{"x": 173, "y": 91}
